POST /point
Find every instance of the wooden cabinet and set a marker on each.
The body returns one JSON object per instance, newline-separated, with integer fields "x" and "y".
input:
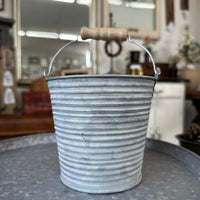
{"x": 167, "y": 111}
{"x": 26, "y": 124}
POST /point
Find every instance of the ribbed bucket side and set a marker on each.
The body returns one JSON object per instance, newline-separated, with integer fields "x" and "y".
{"x": 101, "y": 124}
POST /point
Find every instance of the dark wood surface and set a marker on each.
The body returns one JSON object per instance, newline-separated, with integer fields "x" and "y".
{"x": 169, "y": 11}
{"x": 193, "y": 95}
{"x": 25, "y": 124}
{"x": 184, "y": 4}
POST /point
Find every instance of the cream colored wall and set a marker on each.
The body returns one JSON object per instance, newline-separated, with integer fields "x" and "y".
{"x": 166, "y": 45}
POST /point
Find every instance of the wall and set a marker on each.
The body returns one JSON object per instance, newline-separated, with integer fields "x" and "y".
{"x": 8, "y": 9}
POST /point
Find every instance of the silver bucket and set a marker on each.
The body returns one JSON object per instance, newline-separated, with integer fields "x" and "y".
{"x": 101, "y": 123}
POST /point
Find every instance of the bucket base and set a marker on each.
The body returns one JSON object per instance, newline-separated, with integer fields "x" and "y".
{"x": 103, "y": 190}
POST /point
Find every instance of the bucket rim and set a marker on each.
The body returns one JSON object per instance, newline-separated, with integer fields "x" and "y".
{"x": 101, "y": 76}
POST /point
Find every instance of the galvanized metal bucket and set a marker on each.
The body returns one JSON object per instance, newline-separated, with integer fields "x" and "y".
{"x": 101, "y": 123}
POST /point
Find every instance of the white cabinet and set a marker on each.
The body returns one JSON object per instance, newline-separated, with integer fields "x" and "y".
{"x": 166, "y": 118}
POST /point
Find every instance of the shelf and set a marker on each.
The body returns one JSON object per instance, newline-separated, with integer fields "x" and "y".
{"x": 25, "y": 124}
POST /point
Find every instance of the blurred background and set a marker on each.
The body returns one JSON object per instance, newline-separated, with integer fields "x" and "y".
{"x": 31, "y": 32}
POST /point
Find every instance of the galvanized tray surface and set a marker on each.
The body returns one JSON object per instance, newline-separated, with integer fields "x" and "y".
{"x": 32, "y": 172}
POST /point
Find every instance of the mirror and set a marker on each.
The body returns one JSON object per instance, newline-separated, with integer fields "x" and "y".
{"x": 141, "y": 17}
{"x": 43, "y": 27}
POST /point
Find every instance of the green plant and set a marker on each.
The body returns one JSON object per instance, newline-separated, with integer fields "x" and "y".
{"x": 188, "y": 48}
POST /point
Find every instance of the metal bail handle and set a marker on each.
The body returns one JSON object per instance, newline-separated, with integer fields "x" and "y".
{"x": 56, "y": 54}
{"x": 155, "y": 69}
{"x": 107, "y": 34}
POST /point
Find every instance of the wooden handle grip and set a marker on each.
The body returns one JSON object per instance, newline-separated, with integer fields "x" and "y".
{"x": 104, "y": 33}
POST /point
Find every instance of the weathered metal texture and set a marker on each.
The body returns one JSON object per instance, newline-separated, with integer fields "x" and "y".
{"x": 101, "y": 123}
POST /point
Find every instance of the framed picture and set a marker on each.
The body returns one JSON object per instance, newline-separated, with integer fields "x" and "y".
{"x": 1, "y": 5}
{"x": 34, "y": 60}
